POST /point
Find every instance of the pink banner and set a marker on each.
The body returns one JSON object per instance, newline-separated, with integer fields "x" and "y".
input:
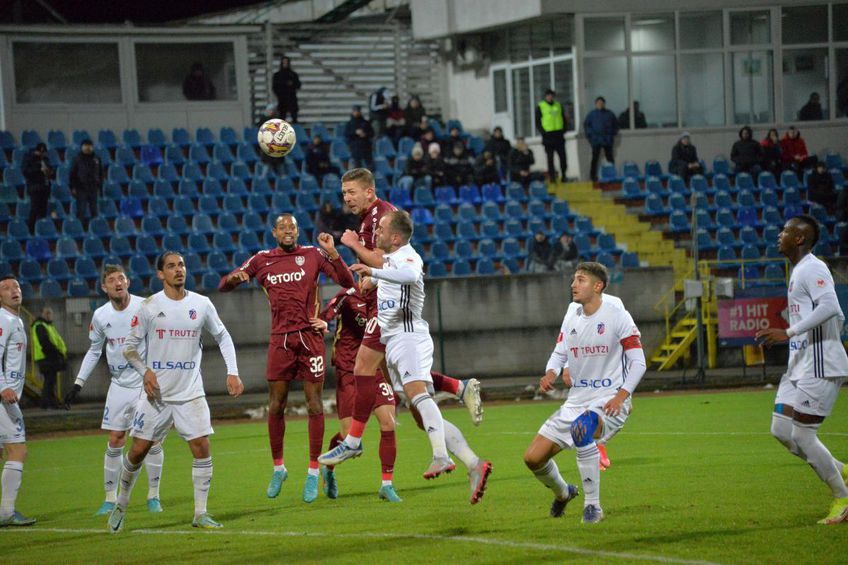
{"x": 741, "y": 318}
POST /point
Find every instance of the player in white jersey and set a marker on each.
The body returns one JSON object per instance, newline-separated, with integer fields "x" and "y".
{"x": 110, "y": 326}
{"x": 547, "y": 383}
{"x": 817, "y": 365}
{"x": 171, "y": 322}
{"x": 601, "y": 345}
{"x": 409, "y": 347}
{"x": 13, "y": 355}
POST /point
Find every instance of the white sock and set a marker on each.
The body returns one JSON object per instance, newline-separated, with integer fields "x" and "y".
{"x": 201, "y": 476}
{"x": 433, "y": 423}
{"x": 550, "y": 477}
{"x": 311, "y": 471}
{"x": 588, "y": 463}
{"x": 781, "y": 429}
{"x": 353, "y": 442}
{"x": 13, "y": 472}
{"x": 129, "y": 473}
{"x": 819, "y": 457}
{"x": 279, "y": 467}
{"x": 153, "y": 464}
{"x": 112, "y": 471}
{"x": 386, "y": 483}
{"x": 457, "y": 445}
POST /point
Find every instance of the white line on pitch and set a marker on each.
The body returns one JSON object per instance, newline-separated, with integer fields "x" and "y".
{"x": 382, "y": 535}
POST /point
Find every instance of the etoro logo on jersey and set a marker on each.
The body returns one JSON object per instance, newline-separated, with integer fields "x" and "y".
{"x": 286, "y": 277}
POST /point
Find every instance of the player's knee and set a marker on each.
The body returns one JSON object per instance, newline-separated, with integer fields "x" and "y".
{"x": 804, "y": 437}
{"x": 583, "y": 428}
{"x": 277, "y": 406}
{"x": 314, "y": 407}
{"x": 781, "y": 429}
{"x": 532, "y": 459}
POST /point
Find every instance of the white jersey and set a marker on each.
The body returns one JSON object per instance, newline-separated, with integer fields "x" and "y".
{"x": 400, "y": 293}
{"x": 172, "y": 331}
{"x": 13, "y": 352}
{"x": 111, "y": 327}
{"x": 815, "y": 318}
{"x": 593, "y": 348}
{"x": 559, "y": 357}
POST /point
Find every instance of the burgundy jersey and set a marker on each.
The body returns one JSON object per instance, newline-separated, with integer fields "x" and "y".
{"x": 351, "y": 311}
{"x": 368, "y": 238}
{"x": 290, "y": 280}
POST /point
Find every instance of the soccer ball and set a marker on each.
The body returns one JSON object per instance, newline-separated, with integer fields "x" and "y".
{"x": 276, "y": 138}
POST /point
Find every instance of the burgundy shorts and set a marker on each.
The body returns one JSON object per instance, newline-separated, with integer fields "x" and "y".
{"x": 296, "y": 355}
{"x": 372, "y": 336}
{"x": 346, "y": 393}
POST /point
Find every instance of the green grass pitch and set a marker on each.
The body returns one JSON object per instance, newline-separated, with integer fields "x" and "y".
{"x": 694, "y": 478}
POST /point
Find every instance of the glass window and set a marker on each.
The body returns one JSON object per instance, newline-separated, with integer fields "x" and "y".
{"x": 563, "y": 38}
{"x": 174, "y": 72}
{"x": 604, "y": 34}
{"x": 67, "y": 73}
{"x": 840, "y": 22}
{"x": 652, "y": 32}
{"x": 753, "y": 91}
{"x": 806, "y": 24}
{"x": 748, "y": 28}
{"x": 564, "y": 87}
{"x": 701, "y": 30}
{"x": 499, "y": 80}
{"x": 521, "y": 102}
{"x": 497, "y": 46}
{"x": 702, "y": 89}
{"x": 519, "y": 44}
{"x": 607, "y": 77}
{"x": 541, "y": 37}
{"x": 654, "y": 92}
{"x": 805, "y": 86}
{"x": 541, "y": 82}
{"x": 841, "y": 82}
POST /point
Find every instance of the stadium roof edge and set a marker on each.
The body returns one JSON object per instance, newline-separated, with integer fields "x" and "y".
{"x": 111, "y": 29}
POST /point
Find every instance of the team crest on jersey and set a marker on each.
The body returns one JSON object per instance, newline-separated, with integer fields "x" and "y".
{"x": 192, "y": 314}
{"x": 820, "y": 283}
{"x": 300, "y": 260}
{"x": 601, "y": 329}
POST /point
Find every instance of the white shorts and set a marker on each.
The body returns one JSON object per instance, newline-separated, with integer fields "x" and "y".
{"x": 153, "y": 420}
{"x": 409, "y": 357}
{"x": 786, "y": 392}
{"x": 816, "y": 396}
{"x": 120, "y": 407}
{"x": 12, "y": 428}
{"x": 557, "y": 428}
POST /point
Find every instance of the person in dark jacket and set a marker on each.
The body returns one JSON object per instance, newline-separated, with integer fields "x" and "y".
{"x": 197, "y": 85}
{"x": 624, "y": 118}
{"x": 359, "y": 133}
{"x": 318, "y": 159}
{"x": 460, "y": 166}
{"x": 378, "y": 109}
{"x": 550, "y": 121}
{"x": 416, "y": 167}
{"x": 772, "y": 153}
{"x": 486, "y": 169}
{"x": 812, "y": 110}
{"x": 820, "y": 187}
{"x": 285, "y": 85}
{"x": 412, "y": 115}
{"x": 746, "y": 153}
{"x": 454, "y": 137}
{"x": 396, "y": 120}
{"x": 601, "y": 127}
{"x": 564, "y": 253}
{"x": 50, "y": 354}
{"x": 37, "y": 173}
{"x": 684, "y": 159}
{"x": 539, "y": 257}
{"x": 86, "y": 179}
{"x": 499, "y": 146}
{"x": 436, "y": 166}
{"x": 520, "y": 161}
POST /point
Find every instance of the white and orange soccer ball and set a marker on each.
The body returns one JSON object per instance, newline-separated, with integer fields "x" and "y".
{"x": 276, "y": 138}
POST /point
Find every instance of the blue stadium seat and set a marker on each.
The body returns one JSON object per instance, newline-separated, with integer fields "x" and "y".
{"x": 158, "y": 207}
{"x": 66, "y": 247}
{"x": 118, "y": 174}
{"x": 131, "y": 208}
{"x": 678, "y": 202}
{"x": 490, "y": 230}
{"x": 132, "y": 138}
{"x": 223, "y": 242}
{"x": 13, "y": 177}
{"x": 141, "y": 172}
{"x": 823, "y": 249}
{"x": 721, "y": 166}
{"x": 173, "y": 241}
{"x": 608, "y": 173}
{"x": 140, "y": 266}
{"x": 240, "y": 171}
{"x": 466, "y": 230}
{"x": 218, "y": 262}
{"x": 229, "y": 136}
{"x": 234, "y": 204}
{"x": 492, "y": 193}
{"x": 771, "y": 215}
{"x": 470, "y": 194}
{"x": 174, "y": 156}
{"x": 120, "y": 245}
{"x": 246, "y": 152}
{"x": 180, "y": 137}
{"x": 107, "y": 138}
{"x": 462, "y": 268}
{"x": 751, "y": 252}
{"x": 39, "y": 249}
{"x": 653, "y": 169}
{"x": 726, "y": 253}
{"x": 146, "y": 245}
{"x": 630, "y": 189}
{"x": 769, "y": 198}
{"x": 198, "y": 243}
{"x": 281, "y": 203}
{"x": 536, "y": 209}
{"x": 629, "y": 259}
{"x": 156, "y": 136}
{"x": 400, "y": 196}
{"x": 78, "y": 288}
{"x": 56, "y": 139}
{"x": 630, "y": 169}
{"x": 50, "y": 289}
{"x": 654, "y": 205}
{"x": 184, "y": 206}
{"x": 125, "y": 157}
{"x": 57, "y": 268}
{"x": 125, "y": 226}
{"x": 422, "y": 217}
{"x": 204, "y": 136}
{"x": 228, "y": 223}
{"x": 248, "y": 241}
{"x": 765, "y": 180}
{"x": 385, "y": 148}
{"x": 774, "y": 275}
{"x": 513, "y": 228}
{"x": 487, "y": 249}
{"x": 606, "y": 259}
{"x": 725, "y": 218}
{"x": 92, "y": 246}
{"x": 11, "y": 250}
{"x": 202, "y": 224}
{"x": 437, "y": 269}
{"x": 747, "y": 216}
{"x": 515, "y": 191}
{"x": 46, "y": 228}
{"x": 749, "y": 236}
{"x": 744, "y": 181}
{"x": 792, "y": 210}
{"x": 511, "y": 249}
{"x": 485, "y": 267}
{"x": 539, "y": 191}
{"x": 29, "y": 270}
{"x": 725, "y": 237}
{"x": 209, "y": 281}
{"x": 788, "y": 179}
{"x": 491, "y": 211}
{"x": 833, "y": 160}
{"x": 84, "y": 267}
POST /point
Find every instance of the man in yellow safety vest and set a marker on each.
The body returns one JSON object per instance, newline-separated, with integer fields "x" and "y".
{"x": 50, "y": 353}
{"x": 550, "y": 121}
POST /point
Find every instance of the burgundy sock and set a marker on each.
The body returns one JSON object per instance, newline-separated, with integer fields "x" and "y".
{"x": 276, "y": 432}
{"x": 366, "y": 392}
{"x": 388, "y": 454}
{"x": 316, "y": 436}
{"x": 444, "y": 383}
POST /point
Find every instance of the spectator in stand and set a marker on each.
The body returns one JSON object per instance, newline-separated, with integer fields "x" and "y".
{"x": 601, "y": 127}
{"x": 550, "y": 120}
{"x": 436, "y": 166}
{"x": 50, "y": 354}
{"x": 416, "y": 166}
{"x": 329, "y": 221}
{"x": 684, "y": 159}
{"x": 486, "y": 169}
{"x": 422, "y": 129}
{"x": 499, "y": 146}
{"x": 359, "y": 133}
{"x": 539, "y": 256}
{"x": 794, "y": 152}
{"x": 285, "y": 85}
{"x": 624, "y": 118}
{"x": 564, "y": 253}
{"x": 197, "y": 85}
{"x": 318, "y": 159}
{"x": 428, "y": 137}
{"x": 412, "y": 115}
{"x": 450, "y": 142}
{"x": 37, "y": 174}
{"x": 520, "y": 161}
{"x": 378, "y": 109}
{"x": 459, "y": 166}
{"x": 772, "y": 153}
{"x": 86, "y": 180}
{"x": 821, "y": 189}
{"x": 395, "y": 121}
{"x": 812, "y": 110}
{"x": 746, "y": 153}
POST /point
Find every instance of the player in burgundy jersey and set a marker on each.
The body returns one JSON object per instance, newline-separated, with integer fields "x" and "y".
{"x": 289, "y": 274}
{"x": 359, "y": 193}
{"x": 350, "y": 310}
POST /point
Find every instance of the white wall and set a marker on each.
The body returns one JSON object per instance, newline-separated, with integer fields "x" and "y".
{"x": 470, "y": 98}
